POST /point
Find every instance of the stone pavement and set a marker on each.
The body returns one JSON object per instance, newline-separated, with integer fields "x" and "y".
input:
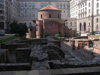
{"x": 68, "y": 51}
{"x": 76, "y": 71}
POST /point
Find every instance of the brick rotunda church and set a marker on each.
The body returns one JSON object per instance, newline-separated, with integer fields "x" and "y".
{"x": 49, "y": 23}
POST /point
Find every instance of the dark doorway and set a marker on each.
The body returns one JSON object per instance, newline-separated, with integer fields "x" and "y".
{"x": 49, "y": 15}
{"x": 84, "y": 26}
{"x": 80, "y": 26}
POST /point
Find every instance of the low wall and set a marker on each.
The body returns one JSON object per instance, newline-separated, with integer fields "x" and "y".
{"x": 15, "y": 66}
{"x": 96, "y": 50}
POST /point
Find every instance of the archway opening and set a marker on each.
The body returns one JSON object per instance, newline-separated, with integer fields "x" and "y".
{"x": 80, "y": 26}
{"x": 84, "y": 26}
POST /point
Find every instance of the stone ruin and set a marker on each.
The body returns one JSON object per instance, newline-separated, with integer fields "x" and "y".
{"x": 28, "y": 53}
{"x": 80, "y": 43}
{"x": 40, "y": 54}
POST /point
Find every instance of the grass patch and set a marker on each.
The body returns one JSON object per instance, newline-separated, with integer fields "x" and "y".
{"x": 8, "y": 39}
{"x": 96, "y": 35}
{"x": 32, "y": 38}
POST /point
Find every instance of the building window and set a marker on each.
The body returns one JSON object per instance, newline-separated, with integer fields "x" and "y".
{"x": 89, "y": 4}
{"x": 41, "y": 16}
{"x": 22, "y": 5}
{"x": 25, "y": 5}
{"x": 57, "y": 5}
{"x": 42, "y": 5}
{"x": 64, "y": 6}
{"x": 97, "y": 11}
{"x": 75, "y": 23}
{"x": 58, "y": 16}
{"x": 29, "y": 5}
{"x": 97, "y": 4}
{"x": 89, "y": 10}
{"x": 89, "y": 24}
{"x": 97, "y": 20}
{"x": 49, "y": 15}
{"x": 33, "y": 5}
{"x": 60, "y": 6}
{"x": 46, "y": 4}
{"x": 70, "y": 23}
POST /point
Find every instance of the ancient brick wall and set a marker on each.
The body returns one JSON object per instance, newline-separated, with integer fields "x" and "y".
{"x": 46, "y": 14}
{"x": 4, "y": 54}
{"x": 23, "y": 55}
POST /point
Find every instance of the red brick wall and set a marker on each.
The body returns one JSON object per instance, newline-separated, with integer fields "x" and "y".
{"x": 69, "y": 32}
{"x": 51, "y": 30}
{"x": 45, "y": 14}
{"x": 40, "y": 27}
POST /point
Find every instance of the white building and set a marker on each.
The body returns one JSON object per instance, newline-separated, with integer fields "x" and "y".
{"x": 8, "y": 13}
{"x": 87, "y": 14}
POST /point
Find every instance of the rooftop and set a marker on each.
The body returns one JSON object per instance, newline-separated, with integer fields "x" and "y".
{"x": 49, "y": 7}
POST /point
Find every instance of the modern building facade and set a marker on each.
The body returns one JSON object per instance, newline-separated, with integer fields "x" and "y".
{"x": 87, "y": 13}
{"x": 28, "y": 9}
{"x": 71, "y": 23}
{"x": 8, "y": 12}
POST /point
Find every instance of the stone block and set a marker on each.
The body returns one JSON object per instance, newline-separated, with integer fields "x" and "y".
{"x": 4, "y": 55}
{"x": 23, "y": 55}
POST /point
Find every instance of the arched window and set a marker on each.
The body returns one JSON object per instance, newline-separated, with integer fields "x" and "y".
{"x": 58, "y": 16}
{"x": 49, "y": 15}
{"x": 41, "y": 15}
{"x": 97, "y": 20}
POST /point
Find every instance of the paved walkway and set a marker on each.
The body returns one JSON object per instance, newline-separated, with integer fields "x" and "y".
{"x": 78, "y": 54}
{"x": 69, "y": 53}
